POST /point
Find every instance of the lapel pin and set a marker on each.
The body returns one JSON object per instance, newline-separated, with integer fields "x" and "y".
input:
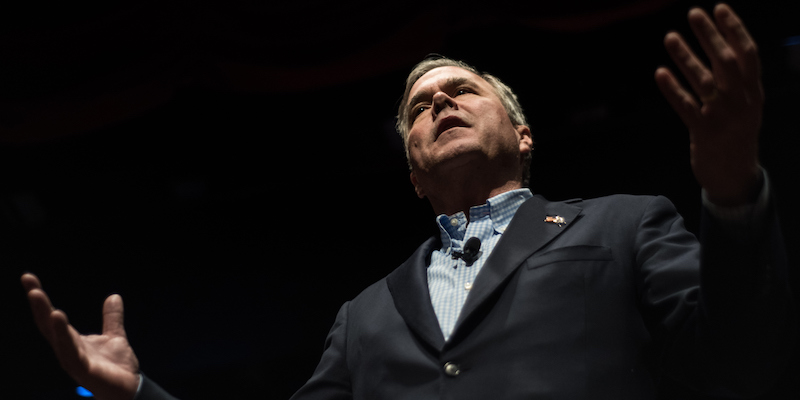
{"x": 558, "y": 220}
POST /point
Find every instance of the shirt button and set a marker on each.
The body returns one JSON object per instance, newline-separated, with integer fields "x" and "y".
{"x": 451, "y": 369}
{"x": 468, "y": 286}
{"x": 454, "y": 222}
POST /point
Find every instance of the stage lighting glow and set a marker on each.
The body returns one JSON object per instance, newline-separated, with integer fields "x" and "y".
{"x": 81, "y": 391}
{"x": 792, "y": 41}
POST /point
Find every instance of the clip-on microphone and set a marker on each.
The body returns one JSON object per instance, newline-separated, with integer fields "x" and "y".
{"x": 472, "y": 249}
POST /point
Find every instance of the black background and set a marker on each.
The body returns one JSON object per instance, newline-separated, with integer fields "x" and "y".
{"x": 232, "y": 169}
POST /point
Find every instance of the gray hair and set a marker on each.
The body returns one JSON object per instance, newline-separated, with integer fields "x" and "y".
{"x": 506, "y": 95}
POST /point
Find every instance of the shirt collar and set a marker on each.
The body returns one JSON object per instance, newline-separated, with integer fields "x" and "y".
{"x": 500, "y": 209}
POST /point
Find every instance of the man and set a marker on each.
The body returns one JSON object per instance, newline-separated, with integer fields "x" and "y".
{"x": 583, "y": 299}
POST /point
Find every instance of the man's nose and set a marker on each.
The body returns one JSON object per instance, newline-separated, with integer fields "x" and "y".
{"x": 441, "y": 101}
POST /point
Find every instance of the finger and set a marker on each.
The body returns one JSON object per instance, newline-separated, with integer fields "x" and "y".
{"x": 743, "y": 45}
{"x": 697, "y": 75}
{"x": 55, "y": 327}
{"x": 113, "y": 316}
{"x": 30, "y": 281}
{"x": 40, "y": 304}
{"x": 720, "y": 54}
{"x": 66, "y": 344}
{"x": 41, "y": 307}
{"x": 678, "y": 97}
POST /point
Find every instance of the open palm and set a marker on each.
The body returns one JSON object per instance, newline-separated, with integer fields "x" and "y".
{"x": 104, "y": 363}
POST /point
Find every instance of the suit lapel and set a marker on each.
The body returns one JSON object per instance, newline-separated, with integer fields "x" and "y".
{"x": 525, "y": 235}
{"x": 408, "y": 285}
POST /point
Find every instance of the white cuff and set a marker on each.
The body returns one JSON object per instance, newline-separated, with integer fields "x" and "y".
{"x": 139, "y": 388}
{"x": 744, "y": 215}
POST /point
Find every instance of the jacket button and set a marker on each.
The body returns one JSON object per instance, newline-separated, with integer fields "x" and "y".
{"x": 451, "y": 369}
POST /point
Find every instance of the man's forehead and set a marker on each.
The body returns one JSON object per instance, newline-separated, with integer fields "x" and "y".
{"x": 441, "y": 76}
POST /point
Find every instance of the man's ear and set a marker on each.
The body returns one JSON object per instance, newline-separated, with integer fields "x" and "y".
{"x": 525, "y": 140}
{"x": 417, "y": 187}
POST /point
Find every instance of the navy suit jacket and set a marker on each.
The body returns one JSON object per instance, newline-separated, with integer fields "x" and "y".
{"x": 602, "y": 307}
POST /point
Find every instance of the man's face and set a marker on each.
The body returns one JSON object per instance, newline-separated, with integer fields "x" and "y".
{"x": 457, "y": 118}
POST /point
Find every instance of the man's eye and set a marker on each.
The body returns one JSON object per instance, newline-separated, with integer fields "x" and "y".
{"x": 459, "y": 92}
{"x": 418, "y": 110}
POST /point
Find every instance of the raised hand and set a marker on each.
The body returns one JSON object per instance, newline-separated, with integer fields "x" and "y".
{"x": 724, "y": 113}
{"x": 105, "y": 364}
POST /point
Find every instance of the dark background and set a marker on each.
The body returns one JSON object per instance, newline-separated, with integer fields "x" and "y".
{"x": 232, "y": 169}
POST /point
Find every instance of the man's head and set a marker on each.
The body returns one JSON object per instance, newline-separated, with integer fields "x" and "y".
{"x": 451, "y": 112}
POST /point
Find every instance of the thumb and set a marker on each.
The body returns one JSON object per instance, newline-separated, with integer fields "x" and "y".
{"x": 113, "y": 316}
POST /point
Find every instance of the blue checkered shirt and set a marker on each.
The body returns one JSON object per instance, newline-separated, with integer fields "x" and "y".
{"x": 450, "y": 280}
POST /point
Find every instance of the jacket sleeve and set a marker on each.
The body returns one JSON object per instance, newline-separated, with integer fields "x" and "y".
{"x": 331, "y": 379}
{"x": 732, "y": 334}
{"x": 150, "y": 390}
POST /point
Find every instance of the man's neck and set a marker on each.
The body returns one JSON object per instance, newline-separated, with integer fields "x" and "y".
{"x": 462, "y": 196}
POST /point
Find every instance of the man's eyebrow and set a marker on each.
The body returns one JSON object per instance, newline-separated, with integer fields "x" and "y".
{"x": 449, "y": 83}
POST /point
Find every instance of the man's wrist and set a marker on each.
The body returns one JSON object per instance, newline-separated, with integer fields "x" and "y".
{"x": 738, "y": 192}
{"x": 743, "y": 213}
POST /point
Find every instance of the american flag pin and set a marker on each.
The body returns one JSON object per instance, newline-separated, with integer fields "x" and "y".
{"x": 558, "y": 220}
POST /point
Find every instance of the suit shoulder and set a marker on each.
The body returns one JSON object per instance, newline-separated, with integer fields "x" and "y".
{"x": 623, "y": 200}
{"x": 619, "y": 207}
{"x": 615, "y": 201}
{"x": 373, "y": 291}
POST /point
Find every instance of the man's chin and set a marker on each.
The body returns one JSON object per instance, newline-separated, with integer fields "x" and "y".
{"x": 460, "y": 157}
